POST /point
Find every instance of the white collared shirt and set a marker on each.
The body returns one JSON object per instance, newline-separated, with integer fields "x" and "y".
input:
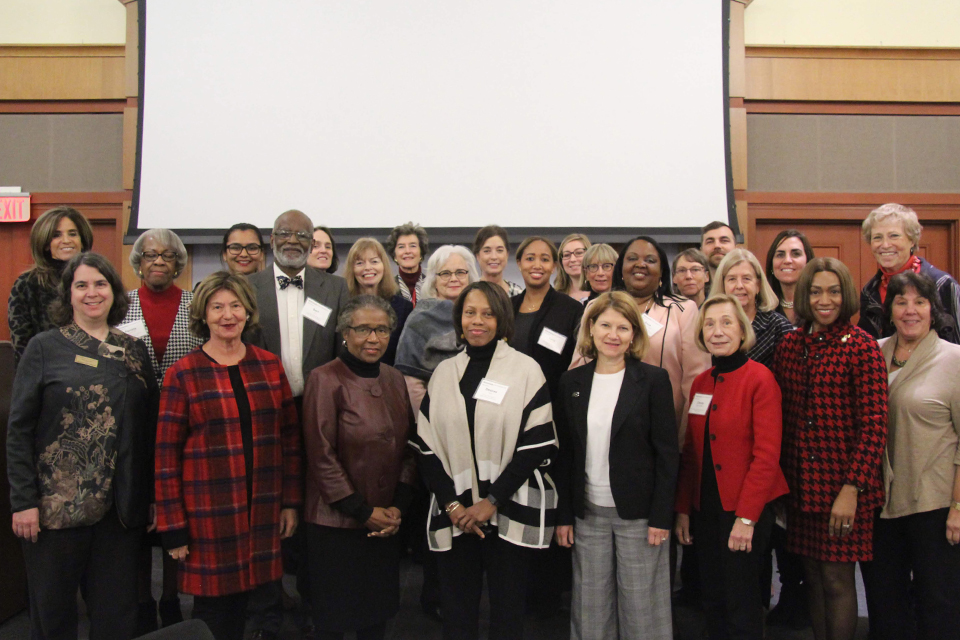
{"x": 289, "y": 313}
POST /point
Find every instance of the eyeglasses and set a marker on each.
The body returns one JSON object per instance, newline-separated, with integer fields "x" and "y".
{"x": 284, "y": 234}
{"x": 168, "y": 256}
{"x": 694, "y": 271}
{"x": 593, "y": 268}
{"x": 443, "y": 276}
{"x": 236, "y": 249}
{"x": 364, "y": 331}
{"x": 576, "y": 253}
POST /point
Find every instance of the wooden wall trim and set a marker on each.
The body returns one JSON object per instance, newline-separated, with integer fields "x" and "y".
{"x": 853, "y": 75}
{"x": 81, "y": 72}
{"x": 63, "y": 106}
{"x": 876, "y": 199}
{"x": 852, "y": 108}
{"x": 871, "y": 53}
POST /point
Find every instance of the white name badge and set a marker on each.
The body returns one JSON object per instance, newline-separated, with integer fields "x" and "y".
{"x": 700, "y": 404}
{"x": 135, "y": 328}
{"x": 552, "y": 340}
{"x": 319, "y": 313}
{"x": 651, "y": 325}
{"x": 490, "y": 391}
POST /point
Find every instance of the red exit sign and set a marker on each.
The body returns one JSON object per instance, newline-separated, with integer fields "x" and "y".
{"x": 15, "y": 207}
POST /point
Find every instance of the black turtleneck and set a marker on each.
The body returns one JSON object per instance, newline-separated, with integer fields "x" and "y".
{"x": 477, "y": 368}
{"x": 358, "y": 366}
{"x": 709, "y": 490}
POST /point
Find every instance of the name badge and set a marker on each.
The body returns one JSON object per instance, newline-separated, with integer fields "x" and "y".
{"x": 135, "y": 328}
{"x": 318, "y": 313}
{"x": 490, "y": 391}
{"x": 90, "y": 362}
{"x": 651, "y": 325}
{"x": 552, "y": 340}
{"x": 700, "y": 404}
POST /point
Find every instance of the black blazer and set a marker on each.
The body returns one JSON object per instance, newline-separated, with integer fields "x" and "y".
{"x": 561, "y": 313}
{"x": 319, "y": 343}
{"x": 644, "y": 455}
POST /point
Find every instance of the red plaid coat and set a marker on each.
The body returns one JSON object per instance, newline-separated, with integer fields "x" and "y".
{"x": 200, "y": 477}
{"x": 834, "y": 386}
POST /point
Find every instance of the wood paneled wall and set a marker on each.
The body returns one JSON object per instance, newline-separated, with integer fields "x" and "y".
{"x": 76, "y": 72}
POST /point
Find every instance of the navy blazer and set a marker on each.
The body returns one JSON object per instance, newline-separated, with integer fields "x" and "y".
{"x": 319, "y": 343}
{"x": 644, "y": 454}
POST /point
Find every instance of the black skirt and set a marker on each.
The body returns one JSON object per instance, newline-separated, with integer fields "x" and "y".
{"x": 354, "y": 579}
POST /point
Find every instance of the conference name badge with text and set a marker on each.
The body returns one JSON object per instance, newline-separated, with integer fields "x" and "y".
{"x": 318, "y": 313}
{"x": 552, "y": 340}
{"x": 490, "y": 391}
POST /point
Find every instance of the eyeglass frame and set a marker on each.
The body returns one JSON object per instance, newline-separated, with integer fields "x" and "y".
{"x": 283, "y": 235}
{"x": 252, "y": 249}
{"x": 594, "y": 267}
{"x": 364, "y": 331}
{"x": 167, "y": 256}
{"x": 444, "y": 276}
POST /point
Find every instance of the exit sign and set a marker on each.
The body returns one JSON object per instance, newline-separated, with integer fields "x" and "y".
{"x": 14, "y": 207}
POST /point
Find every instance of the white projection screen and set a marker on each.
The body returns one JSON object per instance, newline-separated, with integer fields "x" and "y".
{"x": 531, "y": 114}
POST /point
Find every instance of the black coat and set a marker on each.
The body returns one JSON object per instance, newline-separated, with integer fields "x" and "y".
{"x": 561, "y": 313}
{"x": 644, "y": 455}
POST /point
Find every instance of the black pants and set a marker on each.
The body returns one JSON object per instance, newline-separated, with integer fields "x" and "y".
{"x": 730, "y": 580}
{"x": 461, "y": 580}
{"x": 375, "y": 632}
{"x": 102, "y": 558}
{"x": 916, "y": 543}
{"x": 224, "y": 615}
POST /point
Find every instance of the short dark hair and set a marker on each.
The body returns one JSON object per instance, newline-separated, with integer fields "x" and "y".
{"x": 848, "y": 291}
{"x": 665, "y": 290}
{"x": 241, "y": 226}
{"x": 499, "y": 304}
{"x": 925, "y": 288}
{"x": 408, "y": 229}
{"x": 208, "y": 287}
{"x": 335, "y": 259}
{"x": 61, "y": 309}
{"x": 487, "y": 232}
{"x": 716, "y": 224}
{"x": 364, "y": 301}
{"x": 772, "y": 251}
{"x": 41, "y": 235}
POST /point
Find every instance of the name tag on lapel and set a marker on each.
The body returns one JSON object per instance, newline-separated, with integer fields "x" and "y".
{"x": 90, "y": 362}
{"x": 316, "y": 312}
{"x": 490, "y": 391}
{"x": 700, "y": 404}
{"x": 651, "y": 325}
{"x": 135, "y": 328}
{"x": 552, "y": 340}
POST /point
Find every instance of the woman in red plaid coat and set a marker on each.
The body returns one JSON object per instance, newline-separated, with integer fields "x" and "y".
{"x": 834, "y": 383}
{"x": 228, "y": 460}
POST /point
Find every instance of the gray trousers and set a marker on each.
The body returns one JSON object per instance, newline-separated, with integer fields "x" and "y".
{"x": 620, "y": 582}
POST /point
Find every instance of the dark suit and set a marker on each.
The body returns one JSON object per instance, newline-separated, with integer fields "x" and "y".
{"x": 558, "y": 312}
{"x": 644, "y": 455}
{"x": 319, "y": 343}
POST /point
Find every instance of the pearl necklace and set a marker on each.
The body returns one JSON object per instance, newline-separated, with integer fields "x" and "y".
{"x": 785, "y": 304}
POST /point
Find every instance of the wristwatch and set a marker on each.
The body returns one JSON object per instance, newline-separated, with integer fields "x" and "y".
{"x": 747, "y": 522}
{"x": 956, "y": 505}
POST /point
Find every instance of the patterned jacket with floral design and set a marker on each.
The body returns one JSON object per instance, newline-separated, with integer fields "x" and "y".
{"x": 834, "y": 385}
{"x": 81, "y": 430}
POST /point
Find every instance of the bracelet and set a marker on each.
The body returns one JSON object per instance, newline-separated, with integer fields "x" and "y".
{"x": 956, "y": 505}
{"x": 747, "y": 521}
{"x": 450, "y": 508}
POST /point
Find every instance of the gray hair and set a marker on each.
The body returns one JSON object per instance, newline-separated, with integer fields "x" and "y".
{"x": 893, "y": 212}
{"x": 345, "y": 319}
{"x": 766, "y": 299}
{"x": 439, "y": 258}
{"x": 165, "y": 238}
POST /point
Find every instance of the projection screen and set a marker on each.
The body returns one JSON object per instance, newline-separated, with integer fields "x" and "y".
{"x": 532, "y": 114}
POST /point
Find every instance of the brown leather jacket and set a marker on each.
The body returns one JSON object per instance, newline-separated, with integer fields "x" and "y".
{"x": 355, "y": 431}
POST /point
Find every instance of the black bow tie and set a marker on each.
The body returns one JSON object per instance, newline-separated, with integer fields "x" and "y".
{"x": 285, "y": 282}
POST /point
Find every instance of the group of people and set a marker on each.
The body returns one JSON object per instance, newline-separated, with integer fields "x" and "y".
{"x": 280, "y": 418}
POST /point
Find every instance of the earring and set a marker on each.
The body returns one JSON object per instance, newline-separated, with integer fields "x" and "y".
{"x": 344, "y": 343}
{"x": 248, "y": 316}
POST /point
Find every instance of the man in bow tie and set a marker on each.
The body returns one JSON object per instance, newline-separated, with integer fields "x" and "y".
{"x": 299, "y": 306}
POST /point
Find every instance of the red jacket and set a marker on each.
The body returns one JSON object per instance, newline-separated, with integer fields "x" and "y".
{"x": 745, "y": 431}
{"x": 835, "y": 415}
{"x": 200, "y": 475}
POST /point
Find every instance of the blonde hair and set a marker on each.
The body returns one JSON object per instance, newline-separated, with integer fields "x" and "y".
{"x": 563, "y": 282}
{"x": 749, "y": 336}
{"x": 387, "y": 287}
{"x": 208, "y": 287}
{"x": 625, "y": 305}
{"x": 598, "y": 253}
{"x": 766, "y": 299}
{"x": 896, "y": 213}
